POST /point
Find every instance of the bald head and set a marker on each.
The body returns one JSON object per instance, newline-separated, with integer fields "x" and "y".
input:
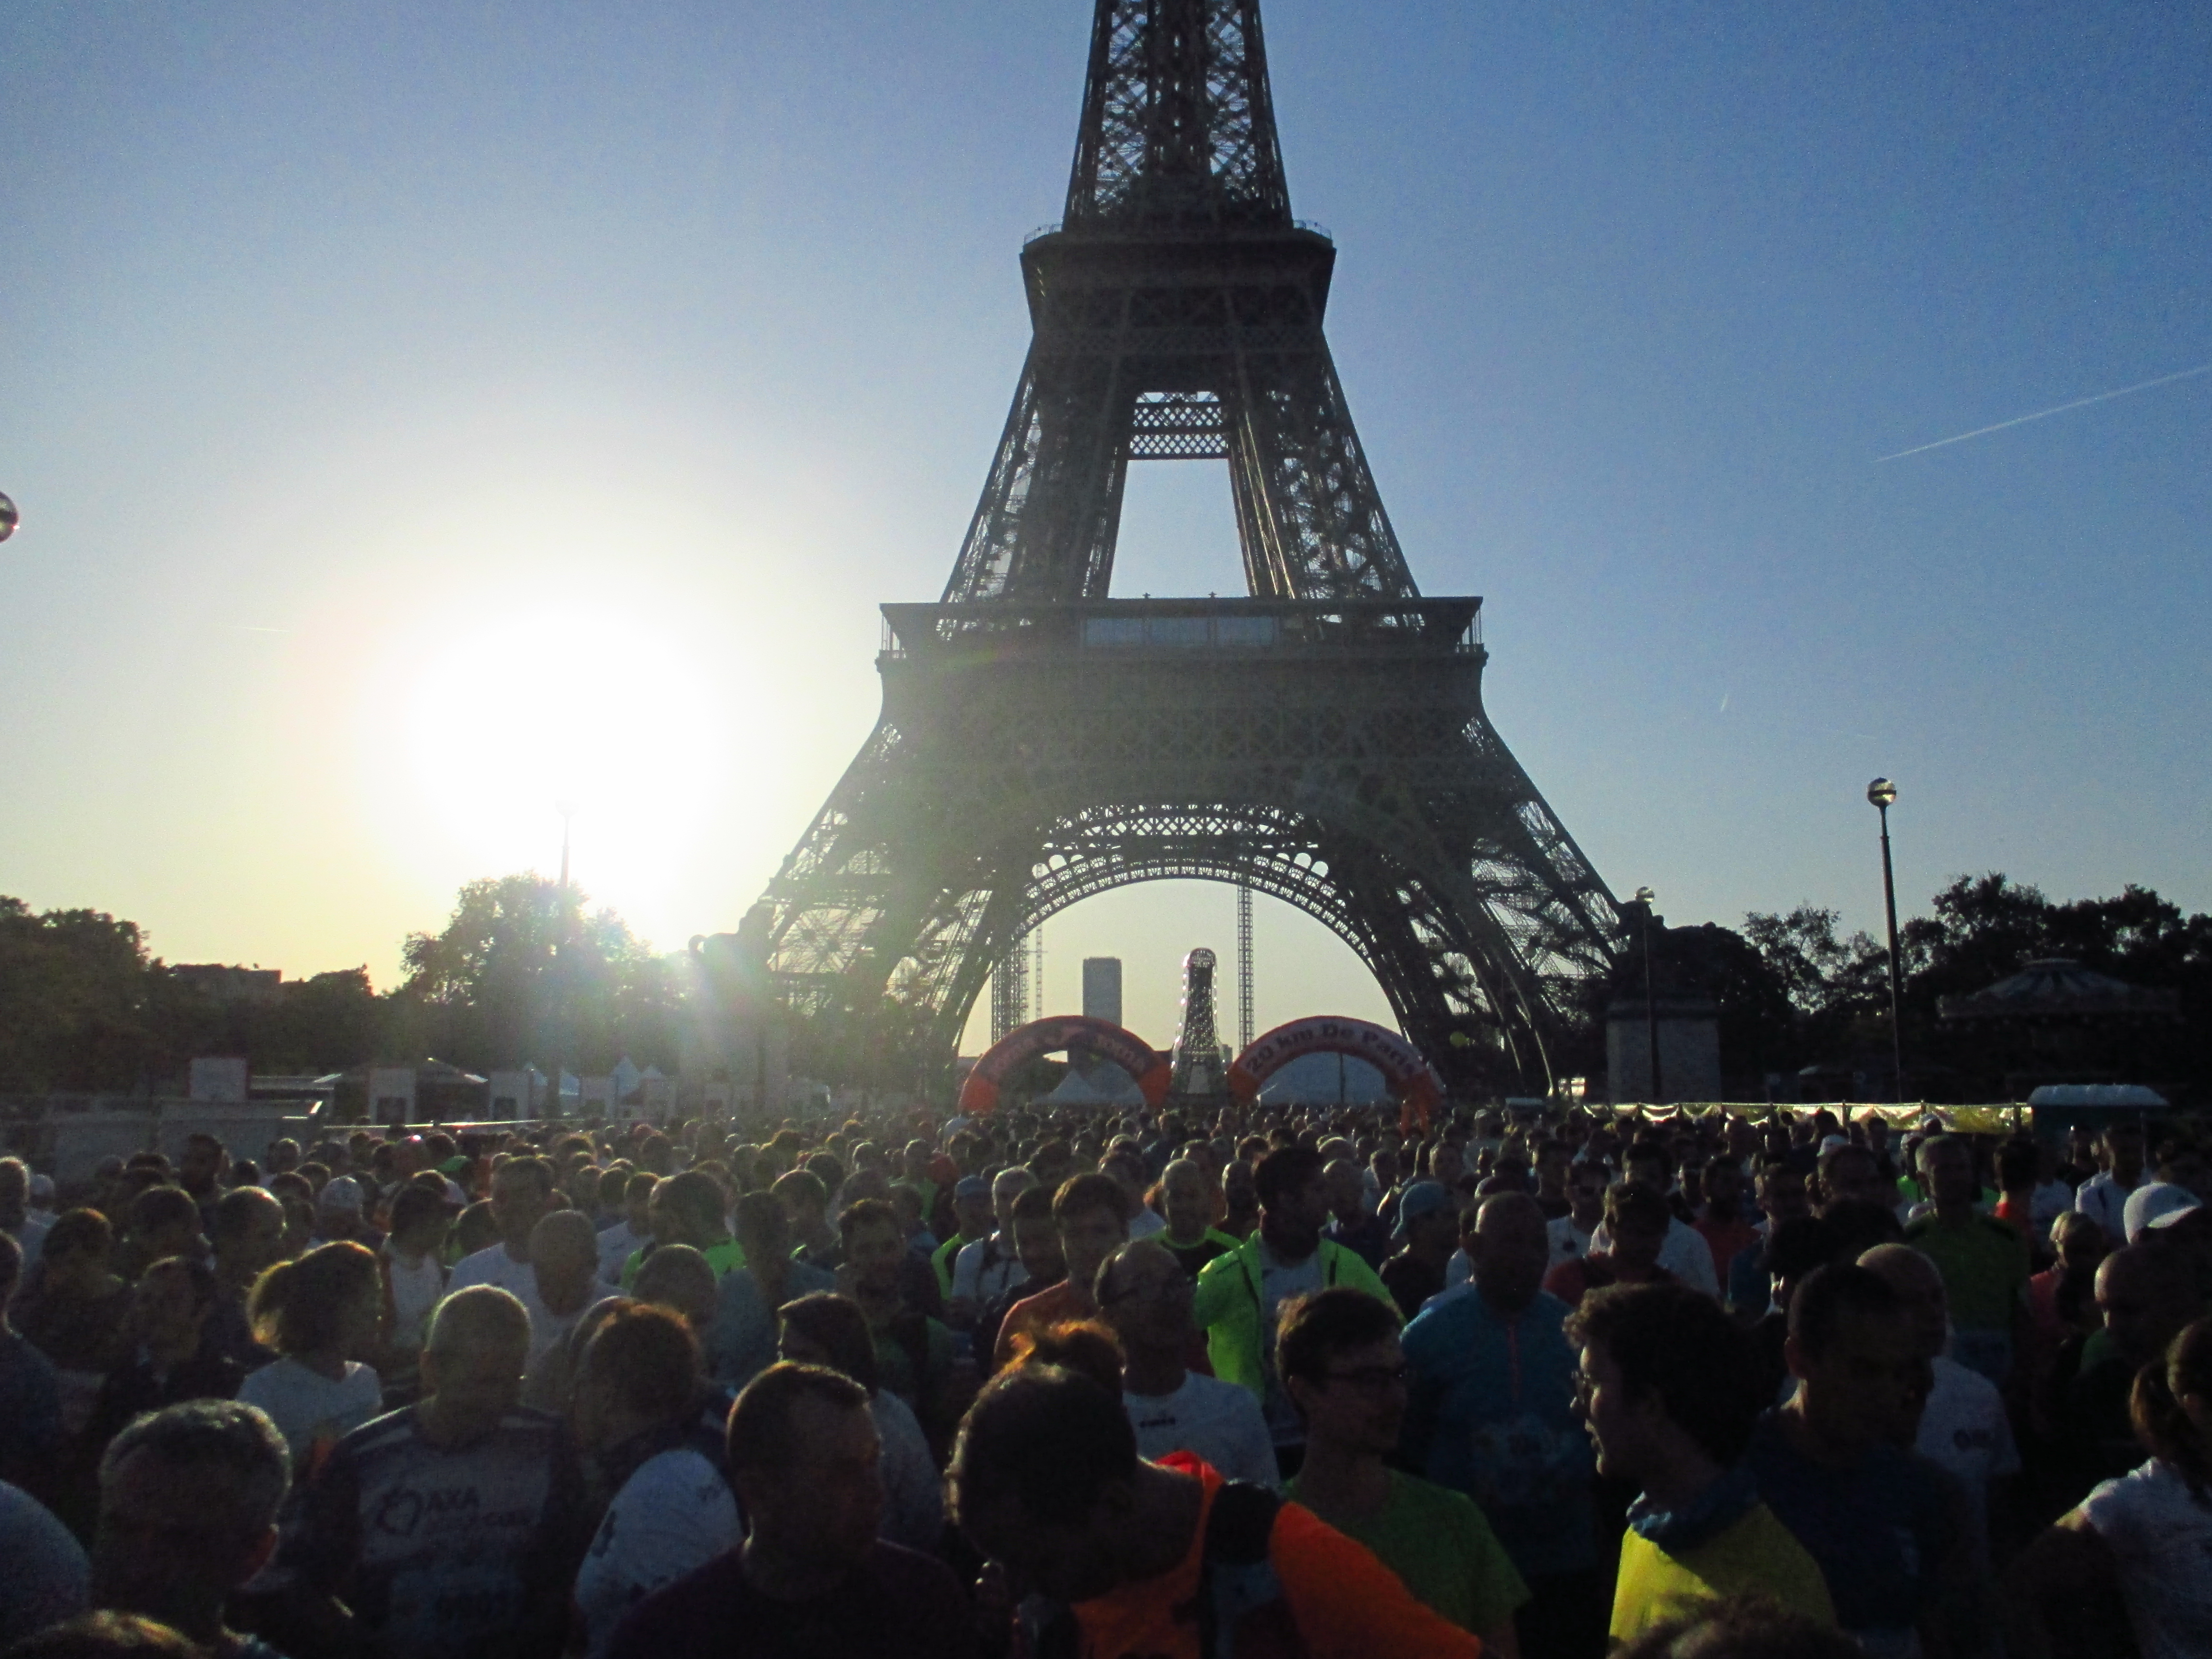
{"x": 1348, "y": 1192}
{"x": 567, "y": 1234}
{"x": 678, "y": 1278}
{"x": 1187, "y": 1199}
{"x": 1919, "y": 1286}
{"x": 564, "y": 1256}
{"x": 1133, "y": 1263}
{"x": 479, "y": 1320}
{"x": 1009, "y": 1184}
{"x": 2143, "y": 1300}
{"x": 1508, "y": 1215}
{"x": 1511, "y": 1247}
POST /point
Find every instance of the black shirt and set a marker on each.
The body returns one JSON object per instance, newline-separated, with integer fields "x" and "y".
{"x": 899, "y": 1605}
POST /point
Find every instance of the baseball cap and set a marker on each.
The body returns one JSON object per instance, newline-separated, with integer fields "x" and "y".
{"x": 971, "y": 1187}
{"x": 340, "y": 1193}
{"x": 1420, "y": 1199}
{"x": 2155, "y": 1203}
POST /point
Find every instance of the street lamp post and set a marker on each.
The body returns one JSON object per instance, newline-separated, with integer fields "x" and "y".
{"x": 1647, "y": 898}
{"x": 561, "y": 967}
{"x": 1882, "y": 793}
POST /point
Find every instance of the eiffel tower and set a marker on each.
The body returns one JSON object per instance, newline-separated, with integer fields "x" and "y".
{"x": 1323, "y": 740}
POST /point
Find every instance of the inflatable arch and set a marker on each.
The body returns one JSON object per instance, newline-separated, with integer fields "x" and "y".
{"x": 1404, "y": 1072}
{"x": 980, "y": 1093}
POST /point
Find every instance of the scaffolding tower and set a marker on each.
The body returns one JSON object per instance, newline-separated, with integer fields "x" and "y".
{"x": 1244, "y": 1032}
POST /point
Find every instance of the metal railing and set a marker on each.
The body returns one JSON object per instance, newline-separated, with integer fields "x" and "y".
{"x": 1445, "y": 626}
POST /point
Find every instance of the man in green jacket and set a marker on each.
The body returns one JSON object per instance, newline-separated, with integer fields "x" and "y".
{"x": 1241, "y": 1294}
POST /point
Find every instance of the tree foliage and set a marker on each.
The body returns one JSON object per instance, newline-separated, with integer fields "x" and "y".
{"x": 75, "y": 1011}
{"x": 1827, "y": 996}
{"x": 522, "y": 973}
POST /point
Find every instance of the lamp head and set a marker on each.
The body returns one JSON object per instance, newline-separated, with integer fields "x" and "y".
{"x": 1645, "y": 896}
{"x": 8, "y": 518}
{"x": 1882, "y": 793}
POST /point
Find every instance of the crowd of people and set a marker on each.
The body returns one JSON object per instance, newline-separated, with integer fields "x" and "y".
{"x": 1058, "y": 1385}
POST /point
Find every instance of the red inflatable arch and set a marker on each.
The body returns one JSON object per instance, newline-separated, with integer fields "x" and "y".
{"x": 1407, "y": 1075}
{"x": 980, "y": 1093}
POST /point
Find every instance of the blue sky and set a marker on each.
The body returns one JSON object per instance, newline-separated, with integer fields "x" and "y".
{"x": 421, "y": 413}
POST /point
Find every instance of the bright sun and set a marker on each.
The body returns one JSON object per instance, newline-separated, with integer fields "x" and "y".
{"x": 509, "y": 720}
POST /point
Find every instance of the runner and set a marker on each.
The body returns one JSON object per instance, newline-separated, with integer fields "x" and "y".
{"x": 812, "y": 1578}
{"x": 1146, "y": 1296}
{"x": 1670, "y": 1396}
{"x": 1346, "y": 1372}
{"x": 1140, "y": 1558}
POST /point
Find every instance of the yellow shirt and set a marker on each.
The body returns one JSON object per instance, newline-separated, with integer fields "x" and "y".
{"x": 1756, "y": 1556}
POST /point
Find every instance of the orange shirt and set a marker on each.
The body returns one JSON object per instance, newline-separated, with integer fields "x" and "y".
{"x": 1039, "y": 1312}
{"x": 1345, "y": 1602}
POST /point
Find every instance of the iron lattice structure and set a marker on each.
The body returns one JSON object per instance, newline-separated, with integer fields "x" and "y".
{"x": 1244, "y": 1031}
{"x": 1198, "y": 1068}
{"x": 1323, "y": 741}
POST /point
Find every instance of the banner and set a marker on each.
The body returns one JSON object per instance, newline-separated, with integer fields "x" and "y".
{"x": 980, "y": 1093}
{"x": 1408, "y": 1076}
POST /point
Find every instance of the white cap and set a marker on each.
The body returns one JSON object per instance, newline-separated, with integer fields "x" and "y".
{"x": 2155, "y": 1203}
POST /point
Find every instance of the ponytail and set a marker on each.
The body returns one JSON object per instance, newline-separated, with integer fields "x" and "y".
{"x": 299, "y": 1306}
{"x": 265, "y": 1307}
{"x": 2156, "y": 1406}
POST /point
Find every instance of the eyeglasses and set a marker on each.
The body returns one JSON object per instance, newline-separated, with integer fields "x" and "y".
{"x": 1584, "y": 1389}
{"x": 1372, "y": 1379}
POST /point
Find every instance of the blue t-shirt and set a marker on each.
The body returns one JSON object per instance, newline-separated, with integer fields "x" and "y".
{"x": 1749, "y": 1287}
{"x": 1492, "y": 1415}
{"x": 1878, "y": 1529}
{"x": 30, "y": 1409}
{"x": 741, "y": 1341}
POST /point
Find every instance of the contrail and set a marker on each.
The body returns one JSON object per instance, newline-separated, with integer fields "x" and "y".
{"x": 2043, "y": 414}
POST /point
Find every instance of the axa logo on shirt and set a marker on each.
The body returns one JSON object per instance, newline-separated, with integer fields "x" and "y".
{"x": 403, "y": 1511}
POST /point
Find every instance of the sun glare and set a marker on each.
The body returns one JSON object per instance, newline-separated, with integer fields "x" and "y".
{"x": 507, "y": 721}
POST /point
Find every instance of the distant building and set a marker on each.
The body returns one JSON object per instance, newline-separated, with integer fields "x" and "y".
{"x": 224, "y": 983}
{"x": 1102, "y": 988}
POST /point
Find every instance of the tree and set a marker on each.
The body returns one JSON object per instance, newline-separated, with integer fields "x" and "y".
{"x": 75, "y": 1011}
{"x": 520, "y": 973}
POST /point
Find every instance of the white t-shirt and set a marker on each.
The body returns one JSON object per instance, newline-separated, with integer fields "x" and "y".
{"x": 1686, "y": 1255}
{"x": 308, "y": 1408}
{"x": 1215, "y": 1420}
{"x": 1146, "y": 1223}
{"x": 617, "y": 1244}
{"x": 1964, "y": 1429}
{"x": 494, "y": 1265}
{"x": 1569, "y": 1242}
{"x": 914, "y": 1495}
{"x": 2161, "y": 1537}
{"x": 673, "y": 1515}
{"x": 2051, "y": 1200}
{"x": 2104, "y": 1198}
{"x": 415, "y": 1291}
{"x": 979, "y": 1284}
